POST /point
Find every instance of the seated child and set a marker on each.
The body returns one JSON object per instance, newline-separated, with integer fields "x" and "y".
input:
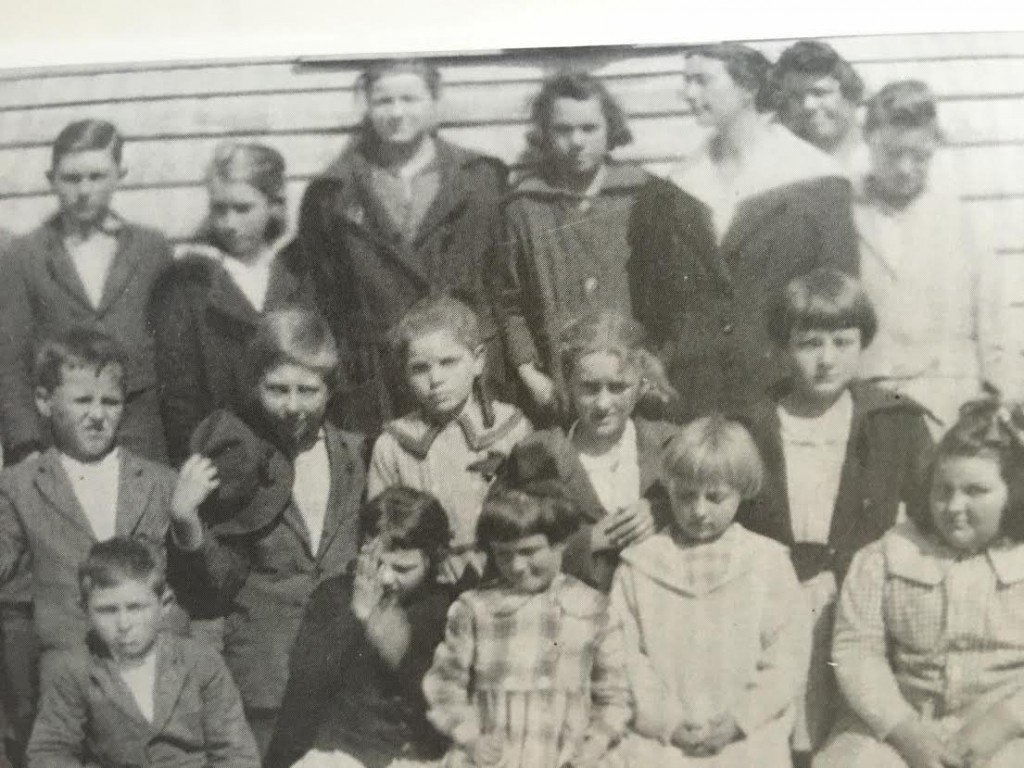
{"x": 280, "y": 495}
{"x": 83, "y": 267}
{"x": 136, "y": 696}
{"x": 206, "y": 307}
{"x": 451, "y": 445}
{"x": 715, "y": 625}
{"x": 530, "y": 673}
{"x": 841, "y": 456}
{"x": 566, "y": 225}
{"x": 929, "y": 637}
{"x": 356, "y": 670}
{"x": 86, "y": 488}
{"x": 609, "y": 461}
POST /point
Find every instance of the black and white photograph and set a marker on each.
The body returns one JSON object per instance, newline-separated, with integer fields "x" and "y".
{"x": 497, "y": 401}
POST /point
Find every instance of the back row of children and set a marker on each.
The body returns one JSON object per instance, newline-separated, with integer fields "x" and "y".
{"x": 284, "y": 485}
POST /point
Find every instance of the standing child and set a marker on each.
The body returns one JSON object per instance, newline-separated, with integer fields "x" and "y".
{"x": 609, "y": 461}
{"x": 929, "y": 640}
{"x": 566, "y": 225}
{"x": 207, "y": 305}
{"x": 137, "y": 696}
{"x": 715, "y": 625}
{"x": 841, "y": 456}
{"x": 451, "y": 444}
{"x": 84, "y": 267}
{"x": 530, "y": 674}
{"x": 280, "y": 494}
{"x": 401, "y": 214}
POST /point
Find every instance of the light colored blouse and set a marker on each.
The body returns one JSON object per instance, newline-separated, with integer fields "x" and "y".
{"x": 311, "y": 489}
{"x": 252, "y": 278}
{"x": 615, "y": 474}
{"x": 95, "y": 485}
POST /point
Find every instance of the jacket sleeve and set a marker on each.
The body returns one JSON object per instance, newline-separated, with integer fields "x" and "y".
{"x": 13, "y": 545}
{"x": 658, "y": 712}
{"x": 651, "y": 243}
{"x": 511, "y": 288}
{"x": 837, "y": 245}
{"x": 446, "y": 685}
{"x": 785, "y": 648}
{"x": 58, "y": 736}
{"x": 184, "y": 391}
{"x": 207, "y": 579}
{"x": 18, "y": 417}
{"x": 383, "y": 472}
{"x": 859, "y": 648}
{"x": 229, "y": 742}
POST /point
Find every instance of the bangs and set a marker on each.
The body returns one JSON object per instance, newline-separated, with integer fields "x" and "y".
{"x": 715, "y": 450}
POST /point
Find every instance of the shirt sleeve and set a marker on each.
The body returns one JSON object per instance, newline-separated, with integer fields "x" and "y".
{"x": 58, "y": 736}
{"x": 785, "y": 648}
{"x": 859, "y": 648}
{"x": 658, "y": 711}
{"x": 383, "y": 472}
{"x": 446, "y": 684}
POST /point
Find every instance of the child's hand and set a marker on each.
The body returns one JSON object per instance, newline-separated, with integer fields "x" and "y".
{"x": 980, "y": 738}
{"x": 367, "y": 588}
{"x": 721, "y": 732}
{"x": 487, "y": 750}
{"x": 197, "y": 479}
{"x": 689, "y": 737}
{"x": 921, "y": 747}
{"x": 540, "y": 385}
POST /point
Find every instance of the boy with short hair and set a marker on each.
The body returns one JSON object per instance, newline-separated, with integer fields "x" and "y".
{"x": 55, "y": 506}
{"x": 84, "y": 266}
{"x": 137, "y": 696}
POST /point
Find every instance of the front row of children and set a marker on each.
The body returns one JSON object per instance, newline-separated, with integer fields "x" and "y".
{"x": 350, "y": 638}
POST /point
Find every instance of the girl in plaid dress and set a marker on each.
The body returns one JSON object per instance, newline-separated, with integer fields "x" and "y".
{"x": 715, "y": 626}
{"x": 531, "y": 673}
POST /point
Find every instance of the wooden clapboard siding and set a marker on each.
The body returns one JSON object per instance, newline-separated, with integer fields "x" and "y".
{"x": 174, "y": 114}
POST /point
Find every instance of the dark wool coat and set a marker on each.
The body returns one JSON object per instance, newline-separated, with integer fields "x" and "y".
{"x": 41, "y": 296}
{"x": 203, "y": 324}
{"x": 367, "y": 276}
{"x": 703, "y": 303}
{"x": 579, "y": 559}
{"x": 343, "y": 696}
{"x": 889, "y": 441}
{"x": 260, "y": 581}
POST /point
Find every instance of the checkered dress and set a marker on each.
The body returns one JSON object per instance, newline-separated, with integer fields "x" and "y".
{"x": 544, "y": 671}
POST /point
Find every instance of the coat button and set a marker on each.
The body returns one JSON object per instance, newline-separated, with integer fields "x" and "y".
{"x": 727, "y": 328}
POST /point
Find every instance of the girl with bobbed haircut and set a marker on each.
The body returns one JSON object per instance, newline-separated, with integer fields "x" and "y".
{"x": 354, "y": 694}
{"x": 578, "y": 86}
{"x": 608, "y": 456}
{"x": 938, "y": 591}
{"x": 205, "y": 308}
{"x": 714, "y": 449}
{"x": 298, "y": 336}
{"x": 401, "y": 214}
{"x": 826, "y": 299}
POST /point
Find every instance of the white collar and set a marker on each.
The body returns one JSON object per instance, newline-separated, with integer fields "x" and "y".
{"x": 912, "y": 555}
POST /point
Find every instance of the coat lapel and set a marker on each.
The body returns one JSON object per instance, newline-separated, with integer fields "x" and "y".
{"x": 54, "y": 485}
{"x": 106, "y": 677}
{"x": 340, "y": 498}
{"x": 226, "y": 299}
{"x": 120, "y": 273}
{"x": 773, "y": 502}
{"x": 284, "y": 288}
{"x": 172, "y": 671}
{"x": 134, "y": 488}
{"x": 61, "y": 269}
{"x": 578, "y": 485}
{"x": 751, "y": 216}
{"x": 450, "y": 197}
{"x": 650, "y": 447}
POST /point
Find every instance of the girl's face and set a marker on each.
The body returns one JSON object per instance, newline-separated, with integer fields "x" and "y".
{"x": 401, "y": 108}
{"x": 440, "y": 372}
{"x": 716, "y": 99}
{"x": 604, "y": 391}
{"x": 403, "y": 571}
{"x": 900, "y": 159}
{"x": 240, "y": 215}
{"x": 529, "y": 564}
{"x": 967, "y": 501}
{"x": 577, "y": 136}
{"x": 294, "y": 399}
{"x": 824, "y": 362}
{"x": 703, "y": 511}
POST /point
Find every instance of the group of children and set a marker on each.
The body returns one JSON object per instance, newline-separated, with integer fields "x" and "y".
{"x": 800, "y": 577}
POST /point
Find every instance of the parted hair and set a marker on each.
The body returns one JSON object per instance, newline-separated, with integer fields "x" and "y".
{"x": 988, "y": 428}
{"x": 823, "y": 299}
{"x": 406, "y": 518}
{"x": 436, "y": 312}
{"x": 819, "y": 59}
{"x": 903, "y": 104}
{"x": 261, "y": 167}
{"x": 748, "y": 67}
{"x": 122, "y": 559}
{"x": 76, "y": 348}
{"x": 84, "y": 136}
{"x": 298, "y": 336}
{"x": 714, "y": 449}
{"x": 579, "y": 86}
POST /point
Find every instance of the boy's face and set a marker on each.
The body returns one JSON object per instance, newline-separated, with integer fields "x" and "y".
{"x": 401, "y": 108}
{"x": 294, "y": 399}
{"x": 578, "y": 136}
{"x": 84, "y": 411}
{"x": 703, "y": 512}
{"x": 824, "y": 362}
{"x": 440, "y": 372}
{"x": 900, "y": 161}
{"x": 529, "y": 564}
{"x": 85, "y": 182}
{"x": 127, "y": 618}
